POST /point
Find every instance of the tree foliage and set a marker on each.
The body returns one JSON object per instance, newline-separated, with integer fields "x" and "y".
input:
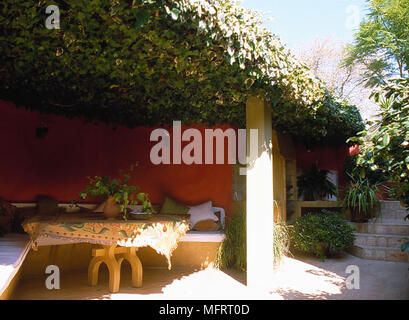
{"x": 325, "y": 57}
{"x": 385, "y": 146}
{"x": 382, "y": 41}
{"x": 149, "y": 62}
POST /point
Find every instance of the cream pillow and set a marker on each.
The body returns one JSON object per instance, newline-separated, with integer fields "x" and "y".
{"x": 201, "y": 212}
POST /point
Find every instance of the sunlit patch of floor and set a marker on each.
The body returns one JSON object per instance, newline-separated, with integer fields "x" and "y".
{"x": 205, "y": 284}
{"x": 297, "y": 279}
{"x": 310, "y": 278}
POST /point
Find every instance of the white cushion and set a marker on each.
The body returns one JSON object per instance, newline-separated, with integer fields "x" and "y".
{"x": 201, "y": 212}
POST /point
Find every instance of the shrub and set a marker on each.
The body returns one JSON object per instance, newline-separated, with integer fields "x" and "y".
{"x": 321, "y": 234}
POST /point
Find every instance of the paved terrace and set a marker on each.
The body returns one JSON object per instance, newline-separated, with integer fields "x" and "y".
{"x": 296, "y": 278}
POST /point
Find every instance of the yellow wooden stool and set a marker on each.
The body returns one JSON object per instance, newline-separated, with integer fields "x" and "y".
{"x": 106, "y": 255}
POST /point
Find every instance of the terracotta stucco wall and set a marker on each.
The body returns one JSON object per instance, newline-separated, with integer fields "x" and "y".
{"x": 325, "y": 157}
{"x": 58, "y": 164}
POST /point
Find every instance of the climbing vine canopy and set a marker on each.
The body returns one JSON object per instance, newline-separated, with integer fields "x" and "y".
{"x": 149, "y": 62}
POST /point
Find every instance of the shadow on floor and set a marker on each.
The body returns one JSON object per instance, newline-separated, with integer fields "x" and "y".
{"x": 157, "y": 283}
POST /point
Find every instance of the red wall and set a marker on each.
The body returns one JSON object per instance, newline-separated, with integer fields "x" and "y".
{"x": 326, "y": 158}
{"x": 59, "y": 164}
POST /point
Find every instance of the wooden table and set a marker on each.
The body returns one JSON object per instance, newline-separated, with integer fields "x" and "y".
{"x": 119, "y": 239}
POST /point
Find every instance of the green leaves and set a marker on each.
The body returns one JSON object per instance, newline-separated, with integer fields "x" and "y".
{"x": 321, "y": 233}
{"x": 152, "y": 62}
{"x": 142, "y": 17}
{"x": 386, "y": 146}
{"x": 117, "y": 188}
{"x": 314, "y": 184}
{"x": 361, "y": 195}
{"x": 382, "y": 41}
{"x": 386, "y": 140}
{"x": 405, "y": 245}
{"x": 174, "y": 13}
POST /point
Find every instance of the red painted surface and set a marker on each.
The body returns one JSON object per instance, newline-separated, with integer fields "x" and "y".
{"x": 353, "y": 150}
{"x": 58, "y": 164}
{"x": 326, "y": 158}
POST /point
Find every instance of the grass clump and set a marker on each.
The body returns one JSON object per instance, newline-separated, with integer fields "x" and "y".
{"x": 232, "y": 252}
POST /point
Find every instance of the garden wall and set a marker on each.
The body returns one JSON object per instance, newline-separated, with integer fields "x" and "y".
{"x": 58, "y": 164}
{"x": 326, "y": 158}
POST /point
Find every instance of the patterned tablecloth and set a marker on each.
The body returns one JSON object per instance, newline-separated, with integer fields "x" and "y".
{"x": 161, "y": 232}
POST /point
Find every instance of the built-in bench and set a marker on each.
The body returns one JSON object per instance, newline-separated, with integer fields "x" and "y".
{"x": 196, "y": 249}
{"x": 13, "y": 250}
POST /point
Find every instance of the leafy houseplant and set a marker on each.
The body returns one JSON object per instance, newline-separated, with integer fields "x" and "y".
{"x": 321, "y": 234}
{"x": 314, "y": 184}
{"x": 118, "y": 194}
{"x": 360, "y": 198}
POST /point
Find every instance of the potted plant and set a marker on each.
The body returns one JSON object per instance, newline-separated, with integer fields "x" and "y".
{"x": 117, "y": 192}
{"x": 314, "y": 184}
{"x": 360, "y": 198}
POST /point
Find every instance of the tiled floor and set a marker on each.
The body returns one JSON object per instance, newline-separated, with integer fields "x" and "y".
{"x": 301, "y": 278}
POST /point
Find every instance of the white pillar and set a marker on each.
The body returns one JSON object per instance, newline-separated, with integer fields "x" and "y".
{"x": 259, "y": 201}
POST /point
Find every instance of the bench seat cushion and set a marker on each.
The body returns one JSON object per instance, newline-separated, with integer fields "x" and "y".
{"x": 13, "y": 250}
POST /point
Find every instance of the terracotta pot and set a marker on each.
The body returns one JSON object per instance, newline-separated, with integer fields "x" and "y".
{"x": 111, "y": 208}
{"x": 357, "y": 216}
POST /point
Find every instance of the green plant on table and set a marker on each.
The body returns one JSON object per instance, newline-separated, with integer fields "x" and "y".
{"x": 119, "y": 190}
{"x": 321, "y": 234}
{"x": 314, "y": 184}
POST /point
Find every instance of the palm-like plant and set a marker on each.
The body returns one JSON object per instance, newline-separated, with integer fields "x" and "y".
{"x": 314, "y": 184}
{"x": 360, "y": 198}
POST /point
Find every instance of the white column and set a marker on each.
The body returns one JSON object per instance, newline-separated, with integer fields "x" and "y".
{"x": 259, "y": 201}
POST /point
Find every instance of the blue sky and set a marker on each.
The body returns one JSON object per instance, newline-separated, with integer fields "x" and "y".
{"x": 298, "y": 22}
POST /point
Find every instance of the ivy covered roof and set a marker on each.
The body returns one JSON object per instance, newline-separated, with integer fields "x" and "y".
{"x": 149, "y": 62}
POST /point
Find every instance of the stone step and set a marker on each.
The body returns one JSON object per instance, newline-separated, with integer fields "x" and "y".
{"x": 381, "y": 240}
{"x": 394, "y": 215}
{"x": 379, "y": 253}
{"x": 390, "y": 205}
{"x": 390, "y": 220}
{"x": 392, "y": 210}
{"x": 385, "y": 228}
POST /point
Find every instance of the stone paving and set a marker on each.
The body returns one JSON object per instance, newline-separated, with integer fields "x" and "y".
{"x": 296, "y": 278}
